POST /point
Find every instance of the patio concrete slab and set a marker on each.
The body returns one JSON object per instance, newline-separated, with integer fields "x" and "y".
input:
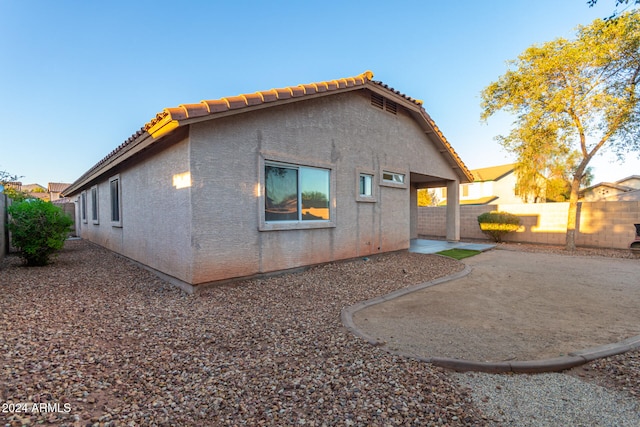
{"x": 426, "y": 246}
{"x": 513, "y": 311}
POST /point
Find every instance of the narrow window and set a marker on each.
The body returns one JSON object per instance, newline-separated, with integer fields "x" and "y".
{"x": 114, "y": 193}
{"x": 365, "y": 185}
{"x": 83, "y": 206}
{"x": 94, "y": 205}
{"x": 296, "y": 193}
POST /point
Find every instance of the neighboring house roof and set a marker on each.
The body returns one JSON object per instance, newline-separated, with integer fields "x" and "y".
{"x": 185, "y": 114}
{"x": 629, "y": 196}
{"x": 14, "y": 184}
{"x": 618, "y": 185}
{"x": 492, "y": 173}
{"x": 628, "y": 179}
{"x": 38, "y": 195}
{"x": 57, "y": 187}
{"x": 32, "y": 187}
{"x": 615, "y": 186}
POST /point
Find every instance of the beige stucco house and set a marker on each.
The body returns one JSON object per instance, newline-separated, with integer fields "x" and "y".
{"x": 269, "y": 181}
{"x": 494, "y": 184}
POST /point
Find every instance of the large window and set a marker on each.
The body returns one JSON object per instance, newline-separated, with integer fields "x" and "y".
{"x": 296, "y": 193}
{"x": 115, "y": 198}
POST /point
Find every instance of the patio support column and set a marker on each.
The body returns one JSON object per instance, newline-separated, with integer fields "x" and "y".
{"x": 453, "y": 211}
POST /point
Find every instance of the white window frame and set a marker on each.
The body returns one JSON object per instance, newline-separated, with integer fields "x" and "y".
{"x": 83, "y": 206}
{"x": 95, "y": 205}
{"x": 367, "y": 198}
{"x": 282, "y": 160}
{"x": 115, "y": 222}
{"x": 398, "y": 178}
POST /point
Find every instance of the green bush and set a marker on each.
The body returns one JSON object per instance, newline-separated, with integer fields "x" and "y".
{"x": 497, "y": 224}
{"x": 38, "y": 229}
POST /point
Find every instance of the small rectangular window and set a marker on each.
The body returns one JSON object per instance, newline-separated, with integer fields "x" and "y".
{"x": 115, "y": 199}
{"x": 396, "y": 178}
{"x": 94, "y": 204}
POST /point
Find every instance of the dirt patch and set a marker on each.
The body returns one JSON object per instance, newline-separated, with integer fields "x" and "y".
{"x": 514, "y": 306}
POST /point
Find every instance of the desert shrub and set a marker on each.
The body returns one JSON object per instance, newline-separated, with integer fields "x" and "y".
{"x": 38, "y": 229}
{"x": 497, "y": 224}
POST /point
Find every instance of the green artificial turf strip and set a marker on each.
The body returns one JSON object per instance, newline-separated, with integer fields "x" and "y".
{"x": 458, "y": 253}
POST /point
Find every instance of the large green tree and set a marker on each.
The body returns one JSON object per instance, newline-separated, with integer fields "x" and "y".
{"x": 573, "y": 99}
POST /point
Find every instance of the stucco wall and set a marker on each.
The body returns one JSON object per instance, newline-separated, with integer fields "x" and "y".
{"x": 341, "y": 132}
{"x": 601, "y": 224}
{"x": 156, "y": 216}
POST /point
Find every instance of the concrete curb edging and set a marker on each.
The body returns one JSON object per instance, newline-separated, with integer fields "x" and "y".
{"x": 346, "y": 314}
{"x": 557, "y": 364}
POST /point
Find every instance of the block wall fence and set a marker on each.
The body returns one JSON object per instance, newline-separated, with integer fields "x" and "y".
{"x": 4, "y": 237}
{"x": 600, "y": 224}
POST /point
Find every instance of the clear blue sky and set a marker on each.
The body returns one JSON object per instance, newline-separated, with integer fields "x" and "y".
{"x": 79, "y": 77}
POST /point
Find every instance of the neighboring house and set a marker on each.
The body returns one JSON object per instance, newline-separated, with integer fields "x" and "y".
{"x": 16, "y": 185}
{"x": 55, "y": 189}
{"x": 35, "y": 191}
{"x": 268, "y": 181}
{"x": 33, "y": 188}
{"x": 494, "y": 184}
{"x": 626, "y": 189}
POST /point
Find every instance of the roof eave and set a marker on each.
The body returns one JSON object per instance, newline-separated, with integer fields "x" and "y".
{"x": 456, "y": 163}
{"x": 119, "y": 155}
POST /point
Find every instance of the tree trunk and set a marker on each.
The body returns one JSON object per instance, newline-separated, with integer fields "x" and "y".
{"x": 572, "y": 220}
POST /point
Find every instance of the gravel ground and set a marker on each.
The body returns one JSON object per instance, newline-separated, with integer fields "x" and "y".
{"x": 550, "y": 400}
{"x": 120, "y": 347}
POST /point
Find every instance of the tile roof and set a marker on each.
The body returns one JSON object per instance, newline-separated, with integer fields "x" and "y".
{"x": 57, "y": 187}
{"x": 171, "y": 118}
{"x": 492, "y": 173}
{"x": 31, "y": 187}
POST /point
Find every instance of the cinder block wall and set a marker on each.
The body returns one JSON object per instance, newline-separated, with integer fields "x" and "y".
{"x": 4, "y": 244}
{"x": 600, "y": 224}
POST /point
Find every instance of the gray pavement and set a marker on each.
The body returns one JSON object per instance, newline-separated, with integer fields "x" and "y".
{"x": 427, "y": 246}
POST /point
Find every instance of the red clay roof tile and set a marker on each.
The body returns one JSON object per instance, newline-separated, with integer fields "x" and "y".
{"x": 236, "y": 102}
{"x": 269, "y": 95}
{"x": 217, "y": 105}
{"x": 297, "y": 91}
{"x": 253, "y": 98}
{"x": 195, "y": 110}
